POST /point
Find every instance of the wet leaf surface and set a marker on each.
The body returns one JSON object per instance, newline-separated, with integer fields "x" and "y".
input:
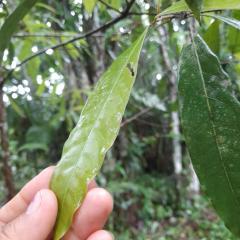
{"x": 99, "y": 123}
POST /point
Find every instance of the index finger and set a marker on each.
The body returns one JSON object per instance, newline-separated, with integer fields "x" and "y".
{"x": 19, "y": 203}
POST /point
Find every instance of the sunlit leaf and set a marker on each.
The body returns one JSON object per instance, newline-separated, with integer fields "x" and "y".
{"x": 89, "y": 5}
{"x": 98, "y": 126}
{"x": 115, "y": 3}
{"x": 47, "y": 7}
{"x": 210, "y": 118}
{"x": 208, "y": 5}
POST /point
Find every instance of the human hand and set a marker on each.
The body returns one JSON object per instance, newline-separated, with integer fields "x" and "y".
{"x": 31, "y": 214}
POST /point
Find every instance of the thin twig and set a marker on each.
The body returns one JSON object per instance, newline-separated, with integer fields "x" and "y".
{"x": 137, "y": 115}
{"x": 142, "y": 13}
{"x": 49, "y": 35}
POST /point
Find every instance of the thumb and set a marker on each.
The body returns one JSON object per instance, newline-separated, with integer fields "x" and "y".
{"x": 38, "y": 220}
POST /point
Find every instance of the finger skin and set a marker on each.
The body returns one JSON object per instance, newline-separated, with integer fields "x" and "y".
{"x": 101, "y": 235}
{"x": 89, "y": 218}
{"x": 35, "y": 223}
{"x": 20, "y": 202}
{"x": 92, "y": 215}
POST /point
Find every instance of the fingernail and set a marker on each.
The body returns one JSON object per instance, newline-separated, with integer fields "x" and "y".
{"x": 35, "y": 204}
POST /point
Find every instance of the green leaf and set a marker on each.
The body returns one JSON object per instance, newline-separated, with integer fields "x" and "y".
{"x": 32, "y": 68}
{"x": 115, "y": 3}
{"x": 210, "y": 118}
{"x": 230, "y": 21}
{"x": 208, "y": 5}
{"x": 11, "y": 52}
{"x": 47, "y": 7}
{"x": 41, "y": 133}
{"x": 234, "y": 36}
{"x": 10, "y": 25}
{"x": 16, "y": 108}
{"x": 196, "y": 7}
{"x": 89, "y": 5}
{"x": 84, "y": 151}
{"x": 3, "y": 14}
{"x": 34, "y": 146}
{"x": 212, "y": 37}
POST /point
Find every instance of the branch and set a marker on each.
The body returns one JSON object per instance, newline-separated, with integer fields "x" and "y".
{"x": 102, "y": 28}
{"x": 49, "y": 35}
{"x": 142, "y": 13}
{"x": 136, "y": 116}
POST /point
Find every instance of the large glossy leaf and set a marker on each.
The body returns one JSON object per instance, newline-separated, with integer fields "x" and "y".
{"x": 10, "y": 25}
{"x": 84, "y": 151}
{"x": 196, "y": 7}
{"x": 210, "y": 118}
{"x": 208, "y": 5}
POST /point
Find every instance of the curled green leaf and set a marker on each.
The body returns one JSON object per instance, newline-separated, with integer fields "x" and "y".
{"x": 98, "y": 126}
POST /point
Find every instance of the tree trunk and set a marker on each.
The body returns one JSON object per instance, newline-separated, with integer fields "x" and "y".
{"x": 95, "y": 62}
{"x": 6, "y": 169}
{"x": 172, "y": 87}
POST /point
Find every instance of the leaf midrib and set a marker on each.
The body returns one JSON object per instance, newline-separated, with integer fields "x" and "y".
{"x": 213, "y": 126}
{"x": 100, "y": 113}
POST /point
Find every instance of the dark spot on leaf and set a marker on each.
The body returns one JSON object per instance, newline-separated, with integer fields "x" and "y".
{"x": 130, "y": 68}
